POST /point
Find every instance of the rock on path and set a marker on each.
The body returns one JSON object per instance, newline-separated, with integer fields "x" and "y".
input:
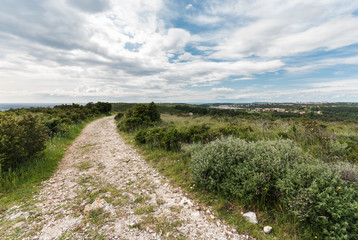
{"x": 104, "y": 189}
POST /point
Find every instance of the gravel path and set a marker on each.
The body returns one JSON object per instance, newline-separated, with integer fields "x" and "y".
{"x": 104, "y": 189}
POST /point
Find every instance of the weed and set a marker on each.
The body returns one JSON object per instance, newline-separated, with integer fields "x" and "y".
{"x": 144, "y": 210}
{"x": 84, "y": 165}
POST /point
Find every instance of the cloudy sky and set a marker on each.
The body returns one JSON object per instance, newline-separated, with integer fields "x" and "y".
{"x": 178, "y": 50}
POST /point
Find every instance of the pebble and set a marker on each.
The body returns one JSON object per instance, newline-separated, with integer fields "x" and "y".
{"x": 267, "y": 229}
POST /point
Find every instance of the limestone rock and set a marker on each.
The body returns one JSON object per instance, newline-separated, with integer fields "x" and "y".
{"x": 17, "y": 215}
{"x": 267, "y": 229}
{"x": 251, "y": 217}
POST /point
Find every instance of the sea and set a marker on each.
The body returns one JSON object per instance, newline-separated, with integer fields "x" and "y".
{"x": 7, "y": 106}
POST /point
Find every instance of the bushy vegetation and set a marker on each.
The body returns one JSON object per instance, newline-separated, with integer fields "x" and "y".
{"x": 300, "y": 170}
{"x": 33, "y": 142}
{"x": 248, "y": 170}
{"x": 20, "y": 138}
{"x": 321, "y": 201}
{"x": 139, "y": 116}
{"x": 23, "y": 132}
{"x": 159, "y": 137}
{"x": 278, "y": 172}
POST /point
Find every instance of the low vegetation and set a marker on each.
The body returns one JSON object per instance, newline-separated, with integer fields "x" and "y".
{"x": 299, "y": 173}
{"x": 34, "y": 140}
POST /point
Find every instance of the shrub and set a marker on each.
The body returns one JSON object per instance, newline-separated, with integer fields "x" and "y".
{"x": 320, "y": 199}
{"x": 248, "y": 170}
{"x": 159, "y": 137}
{"x": 348, "y": 171}
{"x": 268, "y": 172}
{"x": 140, "y": 116}
{"x": 20, "y": 138}
{"x": 334, "y": 150}
{"x": 55, "y": 126}
{"x": 197, "y": 133}
{"x": 119, "y": 116}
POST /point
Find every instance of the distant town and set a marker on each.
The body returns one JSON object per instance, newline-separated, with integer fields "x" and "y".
{"x": 300, "y": 107}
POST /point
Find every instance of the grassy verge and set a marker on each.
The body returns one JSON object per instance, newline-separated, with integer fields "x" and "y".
{"x": 176, "y": 166}
{"x": 19, "y": 185}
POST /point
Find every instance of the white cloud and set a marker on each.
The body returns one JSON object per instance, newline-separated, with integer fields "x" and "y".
{"x": 176, "y": 39}
{"x": 284, "y": 28}
{"x": 323, "y": 63}
{"x": 222, "y": 90}
{"x": 79, "y": 49}
{"x": 335, "y": 86}
{"x": 205, "y": 20}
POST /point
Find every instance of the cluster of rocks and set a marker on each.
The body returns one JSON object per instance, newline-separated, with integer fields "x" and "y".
{"x": 251, "y": 217}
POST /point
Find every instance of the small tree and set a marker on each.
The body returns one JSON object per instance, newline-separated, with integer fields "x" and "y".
{"x": 20, "y": 138}
{"x": 140, "y": 116}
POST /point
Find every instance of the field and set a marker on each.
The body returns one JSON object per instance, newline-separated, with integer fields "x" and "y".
{"x": 297, "y": 172}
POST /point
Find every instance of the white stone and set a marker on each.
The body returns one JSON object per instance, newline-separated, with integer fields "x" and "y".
{"x": 98, "y": 203}
{"x": 267, "y": 229}
{"x": 251, "y": 217}
{"x": 17, "y": 215}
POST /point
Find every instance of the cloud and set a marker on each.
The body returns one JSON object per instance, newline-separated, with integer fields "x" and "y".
{"x": 335, "y": 86}
{"x": 176, "y": 39}
{"x": 291, "y": 27}
{"x": 222, "y": 90}
{"x": 314, "y": 65}
{"x": 92, "y": 6}
{"x": 205, "y": 20}
{"x": 143, "y": 50}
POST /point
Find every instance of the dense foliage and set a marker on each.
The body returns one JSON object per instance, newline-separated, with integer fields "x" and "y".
{"x": 170, "y": 138}
{"x": 20, "y": 138}
{"x": 23, "y": 132}
{"x": 159, "y": 137}
{"x": 139, "y": 116}
{"x": 269, "y": 172}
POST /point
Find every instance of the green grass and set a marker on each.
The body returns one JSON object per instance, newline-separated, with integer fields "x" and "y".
{"x": 176, "y": 166}
{"x": 310, "y": 136}
{"x": 19, "y": 185}
{"x": 143, "y": 210}
{"x": 84, "y": 165}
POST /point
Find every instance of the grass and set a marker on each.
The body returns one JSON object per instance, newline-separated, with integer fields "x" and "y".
{"x": 176, "y": 166}
{"x": 144, "y": 210}
{"x": 19, "y": 185}
{"x": 327, "y": 141}
{"x": 84, "y": 165}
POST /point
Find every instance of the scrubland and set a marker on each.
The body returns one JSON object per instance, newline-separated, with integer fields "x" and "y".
{"x": 298, "y": 174}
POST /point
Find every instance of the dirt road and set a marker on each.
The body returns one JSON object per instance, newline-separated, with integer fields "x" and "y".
{"x": 104, "y": 189}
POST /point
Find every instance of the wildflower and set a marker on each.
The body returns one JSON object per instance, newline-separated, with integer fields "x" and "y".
{"x": 339, "y": 188}
{"x": 315, "y": 237}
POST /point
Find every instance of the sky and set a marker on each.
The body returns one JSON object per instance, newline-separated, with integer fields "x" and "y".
{"x": 188, "y": 51}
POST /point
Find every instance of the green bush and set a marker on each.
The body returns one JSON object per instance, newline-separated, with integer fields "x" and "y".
{"x": 159, "y": 137}
{"x": 20, "y": 138}
{"x": 55, "y": 126}
{"x": 278, "y": 172}
{"x": 335, "y": 150}
{"x": 139, "y": 116}
{"x": 248, "y": 170}
{"x": 198, "y": 133}
{"x": 320, "y": 199}
{"x": 119, "y": 116}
